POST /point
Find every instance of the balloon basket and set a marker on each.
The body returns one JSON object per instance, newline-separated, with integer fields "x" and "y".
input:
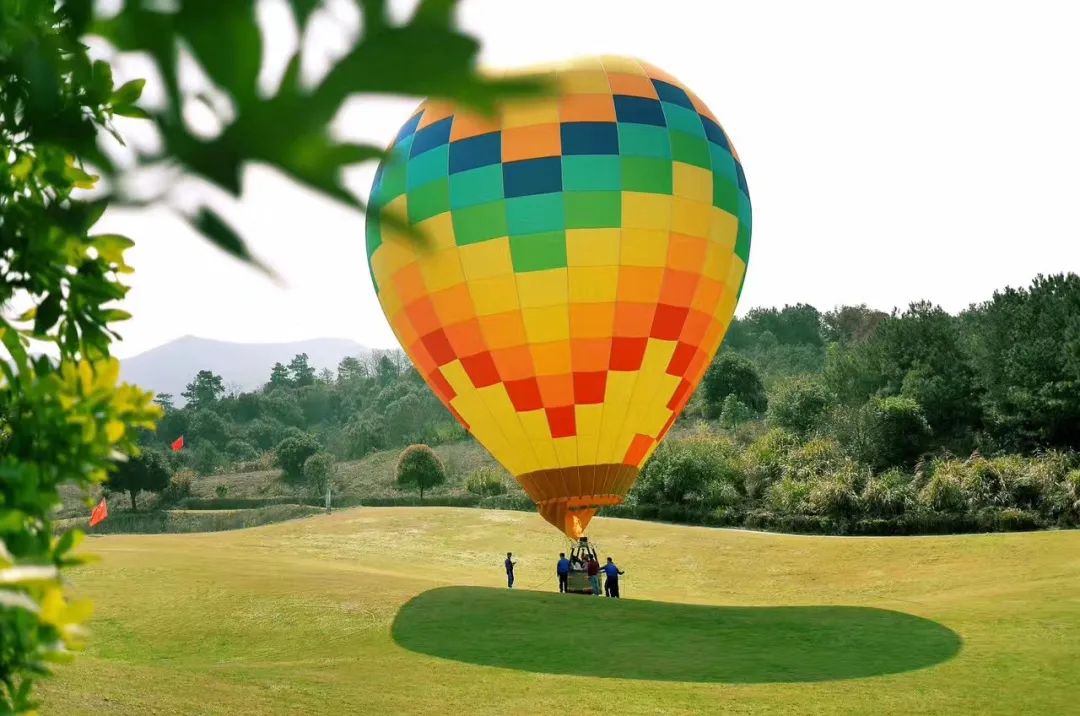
{"x": 578, "y": 582}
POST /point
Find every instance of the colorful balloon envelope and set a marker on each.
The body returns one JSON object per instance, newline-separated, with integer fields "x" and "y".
{"x": 584, "y": 254}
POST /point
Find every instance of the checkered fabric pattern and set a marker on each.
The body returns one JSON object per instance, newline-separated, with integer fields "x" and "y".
{"x": 585, "y": 254}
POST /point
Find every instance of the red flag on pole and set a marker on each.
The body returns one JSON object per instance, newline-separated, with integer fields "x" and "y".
{"x": 178, "y": 444}
{"x": 100, "y": 513}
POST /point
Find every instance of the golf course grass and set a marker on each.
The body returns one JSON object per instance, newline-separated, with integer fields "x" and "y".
{"x": 404, "y": 610}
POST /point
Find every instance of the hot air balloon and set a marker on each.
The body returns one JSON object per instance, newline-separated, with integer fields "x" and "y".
{"x": 584, "y": 255}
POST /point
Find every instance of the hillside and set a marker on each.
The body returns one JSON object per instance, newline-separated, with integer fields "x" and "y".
{"x": 404, "y": 610}
{"x": 170, "y": 367}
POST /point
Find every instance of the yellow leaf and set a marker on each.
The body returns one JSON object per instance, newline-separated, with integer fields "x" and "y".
{"x": 86, "y": 377}
{"x": 108, "y": 371}
{"x": 78, "y": 611}
{"x": 21, "y": 169}
{"x": 114, "y": 430}
{"x": 52, "y": 607}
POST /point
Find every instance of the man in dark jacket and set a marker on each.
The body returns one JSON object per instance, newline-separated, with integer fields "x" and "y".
{"x": 510, "y": 570}
{"x": 611, "y": 584}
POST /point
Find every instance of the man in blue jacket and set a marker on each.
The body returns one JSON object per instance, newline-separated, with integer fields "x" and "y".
{"x": 562, "y": 569}
{"x": 611, "y": 584}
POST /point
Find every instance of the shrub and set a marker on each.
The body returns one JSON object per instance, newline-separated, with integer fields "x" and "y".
{"x": 764, "y": 460}
{"x": 788, "y": 496}
{"x": 722, "y": 494}
{"x": 179, "y": 488}
{"x": 147, "y": 471}
{"x": 1040, "y": 483}
{"x": 982, "y": 484}
{"x": 264, "y": 433}
{"x": 206, "y": 459}
{"x": 1008, "y": 519}
{"x": 890, "y": 494}
{"x": 419, "y": 467}
{"x": 240, "y": 450}
{"x": 672, "y": 513}
{"x": 486, "y": 482}
{"x": 734, "y": 412}
{"x": 800, "y": 407}
{"x": 731, "y": 374}
{"x": 221, "y": 491}
{"x": 365, "y": 435}
{"x": 682, "y": 471}
{"x": 292, "y": 452}
{"x": 944, "y": 491}
{"x": 816, "y": 459}
{"x": 1072, "y": 480}
{"x": 508, "y": 502}
{"x": 894, "y": 432}
{"x": 318, "y": 471}
{"x": 1017, "y": 475}
{"x": 835, "y": 496}
{"x": 208, "y": 426}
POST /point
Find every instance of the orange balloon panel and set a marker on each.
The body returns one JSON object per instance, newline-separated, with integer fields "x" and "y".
{"x": 584, "y": 256}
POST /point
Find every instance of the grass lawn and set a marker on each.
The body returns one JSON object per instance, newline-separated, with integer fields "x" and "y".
{"x": 404, "y": 610}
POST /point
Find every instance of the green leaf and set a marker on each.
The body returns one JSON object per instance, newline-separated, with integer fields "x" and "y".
{"x": 111, "y": 247}
{"x": 437, "y": 12}
{"x": 128, "y": 93}
{"x": 15, "y": 346}
{"x": 48, "y": 312}
{"x": 374, "y": 16}
{"x": 346, "y": 154}
{"x": 226, "y": 41}
{"x": 114, "y": 315}
{"x": 214, "y": 228}
{"x": 130, "y": 110}
{"x": 68, "y": 541}
{"x": 78, "y": 177}
{"x": 80, "y": 12}
{"x": 101, "y": 86}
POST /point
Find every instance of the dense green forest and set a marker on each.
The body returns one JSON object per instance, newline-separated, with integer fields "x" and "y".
{"x": 840, "y": 416}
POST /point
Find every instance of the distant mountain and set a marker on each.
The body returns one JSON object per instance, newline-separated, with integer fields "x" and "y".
{"x": 170, "y": 367}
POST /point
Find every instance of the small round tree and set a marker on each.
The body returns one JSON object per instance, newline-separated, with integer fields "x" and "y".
{"x": 800, "y": 407}
{"x": 732, "y": 374}
{"x": 318, "y": 470}
{"x": 147, "y": 471}
{"x": 292, "y": 452}
{"x": 896, "y": 432}
{"x": 734, "y": 412}
{"x": 419, "y": 467}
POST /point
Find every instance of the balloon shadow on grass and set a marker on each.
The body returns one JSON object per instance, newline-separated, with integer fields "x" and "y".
{"x": 660, "y": 641}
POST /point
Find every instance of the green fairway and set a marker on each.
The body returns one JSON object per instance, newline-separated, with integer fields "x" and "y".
{"x": 668, "y": 642}
{"x": 405, "y": 611}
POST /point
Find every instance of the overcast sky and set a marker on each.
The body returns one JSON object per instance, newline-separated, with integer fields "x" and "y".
{"x": 893, "y": 152}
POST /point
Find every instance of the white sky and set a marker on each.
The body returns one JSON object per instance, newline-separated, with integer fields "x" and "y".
{"x": 893, "y": 152}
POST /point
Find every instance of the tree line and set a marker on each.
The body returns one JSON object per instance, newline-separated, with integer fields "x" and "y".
{"x": 923, "y": 419}
{"x": 847, "y": 404}
{"x": 369, "y": 403}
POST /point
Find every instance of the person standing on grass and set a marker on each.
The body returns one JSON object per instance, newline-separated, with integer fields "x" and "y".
{"x": 593, "y": 568}
{"x": 510, "y": 570}
{"x": 562, "y": 569}
{"x": 611, "y": 584}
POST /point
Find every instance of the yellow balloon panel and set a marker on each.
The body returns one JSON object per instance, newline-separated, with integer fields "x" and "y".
{"x": 583, "y": 259}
